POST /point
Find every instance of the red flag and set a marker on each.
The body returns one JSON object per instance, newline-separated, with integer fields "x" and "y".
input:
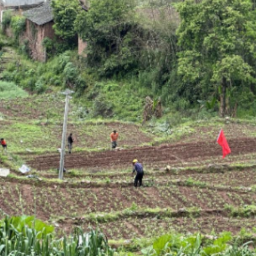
{"x": 223, "y": 142}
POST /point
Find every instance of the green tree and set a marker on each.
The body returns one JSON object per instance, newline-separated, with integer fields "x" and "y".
{"x": 158, "y": 59}
{"x": 215, "y": 47}
{"x": 110, "y": 31}
{"x": 65, "y": 13}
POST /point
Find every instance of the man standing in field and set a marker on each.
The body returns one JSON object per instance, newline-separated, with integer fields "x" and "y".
{"x": 114, "y": 137}
{"x": 138, "y": 168}
{"x": 4, "y": 144}
{"x": 70, "y": 142}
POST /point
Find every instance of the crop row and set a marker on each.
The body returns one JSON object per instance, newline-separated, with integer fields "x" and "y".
{"x": 49, "y": 202}
{"x": 231, "y": 178}
{"x": 149, "y": 227}
{"x": 227, "y": 179}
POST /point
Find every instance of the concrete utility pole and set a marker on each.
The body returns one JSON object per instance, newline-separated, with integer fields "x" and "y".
{"x": 64, "y": 131}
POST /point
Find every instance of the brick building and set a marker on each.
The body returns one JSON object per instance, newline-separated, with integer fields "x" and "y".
{"x": 39, "y": 26}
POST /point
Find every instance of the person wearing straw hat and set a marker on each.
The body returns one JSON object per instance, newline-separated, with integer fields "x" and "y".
{"x": 138, "y": 168}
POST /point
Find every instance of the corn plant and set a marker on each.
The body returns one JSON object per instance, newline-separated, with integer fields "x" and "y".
{"x": 31, "y": 241}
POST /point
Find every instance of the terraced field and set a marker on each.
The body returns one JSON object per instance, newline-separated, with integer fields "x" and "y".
{"x": 174, "y": 154}
{"x": 199, "y": 192}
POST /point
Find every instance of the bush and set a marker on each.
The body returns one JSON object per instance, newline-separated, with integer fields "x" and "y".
{"x": 24, "y": 48}
{"x": 18, "y": 25}
{"x": 7, "y": 17}
{"x": 10, "y": 90}
{"x": 101, "y": 107}
{"x": 70, "y": 73}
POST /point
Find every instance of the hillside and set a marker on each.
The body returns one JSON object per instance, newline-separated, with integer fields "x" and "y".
{"x": 168, "y": 76}
{"x": 200, "y": 192}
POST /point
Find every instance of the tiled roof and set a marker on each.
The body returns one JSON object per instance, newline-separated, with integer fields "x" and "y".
{"x": 16, "y": 3}
{"x": 40, "y": 15}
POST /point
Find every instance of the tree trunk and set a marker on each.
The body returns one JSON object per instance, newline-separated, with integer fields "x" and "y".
{"x": 223, "y": 107}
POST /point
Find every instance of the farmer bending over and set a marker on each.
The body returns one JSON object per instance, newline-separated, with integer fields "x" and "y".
{"x": 137, "y": 167}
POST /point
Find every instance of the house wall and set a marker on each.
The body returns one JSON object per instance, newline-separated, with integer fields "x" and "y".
{"x": 35, "y": 35}
{"x": 81, "y": 47}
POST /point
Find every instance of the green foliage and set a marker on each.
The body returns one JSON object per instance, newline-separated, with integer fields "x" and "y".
{"x": 65, "y": 13}
{"x": 160, "y": 243}
{"x": 110, "y": 31}
{"x": 211, "y": 57}
{"x": 27, "y": 236}
{"x": 24, "y": 48}
{"x": 49, "y": 46}
{"x": 7, "y": 17}
{"x": 246, "y": 211}
{"x": 195, "y": 245}
{"x": 112, "y": 99}
{"x": 40, "y": 86}
{"x": 101, "y": 107}
{"x": 219, "y": 245}
{"x": 211, "y": 36}
{"x": 56, "y": 46}
{"x": 20, "y": 223}
{"x": 10, "y": 90}
{"x": 59, "y": 71}
{"x": 70, "y": 73}
{"x": 18, "y": 25}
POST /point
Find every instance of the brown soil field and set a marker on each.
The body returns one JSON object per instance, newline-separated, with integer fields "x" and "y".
{"x": 80, "y": 199}
{"x": 151, "y": 157}
{"x": 60, "y": 205}
{"x": 131, "y": 228}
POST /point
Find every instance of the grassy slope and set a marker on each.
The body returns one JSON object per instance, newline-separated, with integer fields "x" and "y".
{"x": 35, "y": 123}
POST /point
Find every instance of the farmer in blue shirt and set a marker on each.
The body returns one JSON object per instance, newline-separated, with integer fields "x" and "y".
{"x": 137, "y": 167}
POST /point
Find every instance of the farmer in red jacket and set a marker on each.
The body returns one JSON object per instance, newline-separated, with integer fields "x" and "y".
{"x": 4, "y": 144}
{"x": 114, "y": 137}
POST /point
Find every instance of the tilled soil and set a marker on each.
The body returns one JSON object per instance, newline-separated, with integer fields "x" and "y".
{"x": 51, "y": 202}
{"x": 172, "y": 154}
{"x": 65, "y": 207}
{"x": 157, "y": 226}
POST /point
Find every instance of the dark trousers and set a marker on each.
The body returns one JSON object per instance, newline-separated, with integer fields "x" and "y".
{"x": 138, "y": 178}
{"x": 114, "y": 144}
{"x": 69, "y": 147}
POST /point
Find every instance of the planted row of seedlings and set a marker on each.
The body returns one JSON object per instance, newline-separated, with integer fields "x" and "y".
{"x": 133, "y": 227}
{"x": 49, "y": 202}
{"x": 220, "y": 178}
{"x": 232, "y": 178}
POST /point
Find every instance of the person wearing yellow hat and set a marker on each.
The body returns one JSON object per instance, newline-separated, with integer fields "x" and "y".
{"x": 138, "y": 168}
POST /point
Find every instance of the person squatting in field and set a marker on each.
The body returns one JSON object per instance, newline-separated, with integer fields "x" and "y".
{"x": 70, "y": 142}
{"x": 138, "y": 168}
{"x": 4, "y": 144}
{"x": 114, "y": 137}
